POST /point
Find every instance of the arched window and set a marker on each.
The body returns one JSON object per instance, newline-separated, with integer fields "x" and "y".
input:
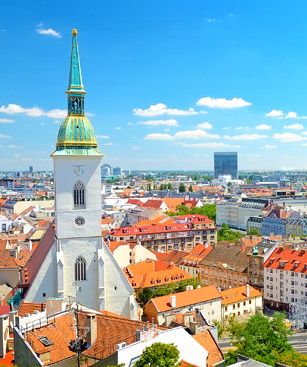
{"x": 80, "y": 269}
{"x": 79, "y": 195}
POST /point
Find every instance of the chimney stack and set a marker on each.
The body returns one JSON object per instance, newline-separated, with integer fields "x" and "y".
{"x": 248, "y": 291}
{"x": 91, "y": 323}
{"x": 173, "y": 301}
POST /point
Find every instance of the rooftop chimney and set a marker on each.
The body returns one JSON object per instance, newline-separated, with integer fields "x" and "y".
{"x": 91, "y": 323}
{"x": 173, "y": 301}
{"x": 248, "y": 290}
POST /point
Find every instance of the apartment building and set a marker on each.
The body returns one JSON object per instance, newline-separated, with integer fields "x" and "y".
{"x": 181, "y": 233}
{"x": 285, "y": 278}
{"x": 241, "y": 302}
{"x": 225, "y": 266}
{"x": 236, "y": 213}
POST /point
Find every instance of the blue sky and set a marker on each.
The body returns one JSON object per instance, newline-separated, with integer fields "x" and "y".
{"x": 169, "y": 82}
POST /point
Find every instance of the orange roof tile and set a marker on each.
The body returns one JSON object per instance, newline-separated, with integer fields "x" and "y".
{"x": 206, "y": 340}
{"x": 288, "y": 259}
{"x": 151, "y": 273}
{"x": 184, "y": 299}
{"x": 238, "y": 294}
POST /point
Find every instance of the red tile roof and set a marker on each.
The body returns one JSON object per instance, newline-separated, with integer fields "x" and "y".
{"x": 206, "y": 340}
{"x": 151, "y": 273}
{"x": 238, "y": 294}
{"x": 27, "y": 308}
{"x": 187, "y": 298}
{"x": 288, "y": 259}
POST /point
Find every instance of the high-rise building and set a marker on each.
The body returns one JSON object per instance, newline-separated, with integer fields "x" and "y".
{"x": 74, "y": 262}
{"x": 117, "y": 171}
{"x": 226, "y": 163}
{"x": 31, "y": 169}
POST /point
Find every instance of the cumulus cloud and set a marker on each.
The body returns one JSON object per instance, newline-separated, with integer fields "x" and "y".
{"x": 213, "y": 145}
{"x": 118, "y": 128}
{"x": 275, "y": 113}
{"x": 160, "y": 109}
{"x": 48, "y": 32}
{"x": 101, "y": 136}
{"x": 14, "y": 109}
{"x": 279, "y": 114}
{"x": 6, "y": 121}
{"x": 158, "y": 136}
{"x": 182, "y": 135}
{"x": 169, "y": 122}
{"x": 222, "y": 102}
{"x": 288, "y": 137}
{"x": 107, "y": 144}
{"x": 4, "y": 136}
{"x": 263, "y": 127}
{"x": 205, "y": 125}
{"x": 294, "y": 127}
{"x": 194, "y": 134}
{"x": 246, "y": 137}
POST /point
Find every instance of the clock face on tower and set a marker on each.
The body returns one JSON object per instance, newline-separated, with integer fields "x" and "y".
{"x": 78, "y": 170}
{"x": 76, "y": 105}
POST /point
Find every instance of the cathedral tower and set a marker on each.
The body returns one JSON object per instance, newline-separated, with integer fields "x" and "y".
{"x": 79, "y": 265}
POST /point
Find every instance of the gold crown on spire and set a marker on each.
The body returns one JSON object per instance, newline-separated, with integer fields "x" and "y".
{"x": 74, "y": 32}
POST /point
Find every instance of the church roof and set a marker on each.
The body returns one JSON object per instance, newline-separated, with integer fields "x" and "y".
{"x": 76, "y": 135}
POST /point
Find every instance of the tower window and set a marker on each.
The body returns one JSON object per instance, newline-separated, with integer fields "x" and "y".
{"x": 80, "y": 269}
{"x": 79, "y": 195}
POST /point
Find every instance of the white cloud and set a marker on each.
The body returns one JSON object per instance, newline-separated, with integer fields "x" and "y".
{"x": 101, "y": 136}
{"x": 4, "y": 136}
{"x": 275, "y": 113}
{"x": 6, "y": 121}
{"x": 160, "y": 109}
{"x": 118, "y": 128}
{"x": 279, "y": 114}
{"x": 14, "y": 109}
{"x": 263, "y": 127}
{"x": 135, "y": 147}
{"x": 291, "y": 115}
{"x": 222, "y": 102}
{"x": 205, "y": 125}
{"x": 246, "y": 137}
{"x": 288, "y": 137}
{"x": 13, "y": 146}
{"x": 194, "y": 134}
{"x": 158, "y": 136}
{"x": 48, "y": 32}
{"x": 270, "y": 146}
{"x": 181, "y": 135}
{"x": 294, "y": 127}
{"x": 213, "y": 145}
{"x": 107, "y": 144}
{"x": 169, "y": 122}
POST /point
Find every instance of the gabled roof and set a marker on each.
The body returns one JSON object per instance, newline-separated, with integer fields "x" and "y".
{"x": 151, "y": 273}
{"x": 238, "y": 294}
{"x": 187, "y": 298}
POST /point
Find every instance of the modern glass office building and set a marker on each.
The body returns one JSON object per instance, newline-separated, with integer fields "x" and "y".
{"x": 226, "y": 163}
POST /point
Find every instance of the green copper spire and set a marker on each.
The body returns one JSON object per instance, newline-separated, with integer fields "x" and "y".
{"x": 76, "y": 135}
{"x": 75, "y": 76}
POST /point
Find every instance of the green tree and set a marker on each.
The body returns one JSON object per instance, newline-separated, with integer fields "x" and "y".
{"x": 254, "y": 232}
{"x": 182, "y": 187}
{"x": 169, "y": 186}
{"x": 208, "y": 209}
{"x": 226, "y": 234}
{"x": 190, "y": 188}
{"x": 261, "y": 338}
{"x": 159, "y": 355}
